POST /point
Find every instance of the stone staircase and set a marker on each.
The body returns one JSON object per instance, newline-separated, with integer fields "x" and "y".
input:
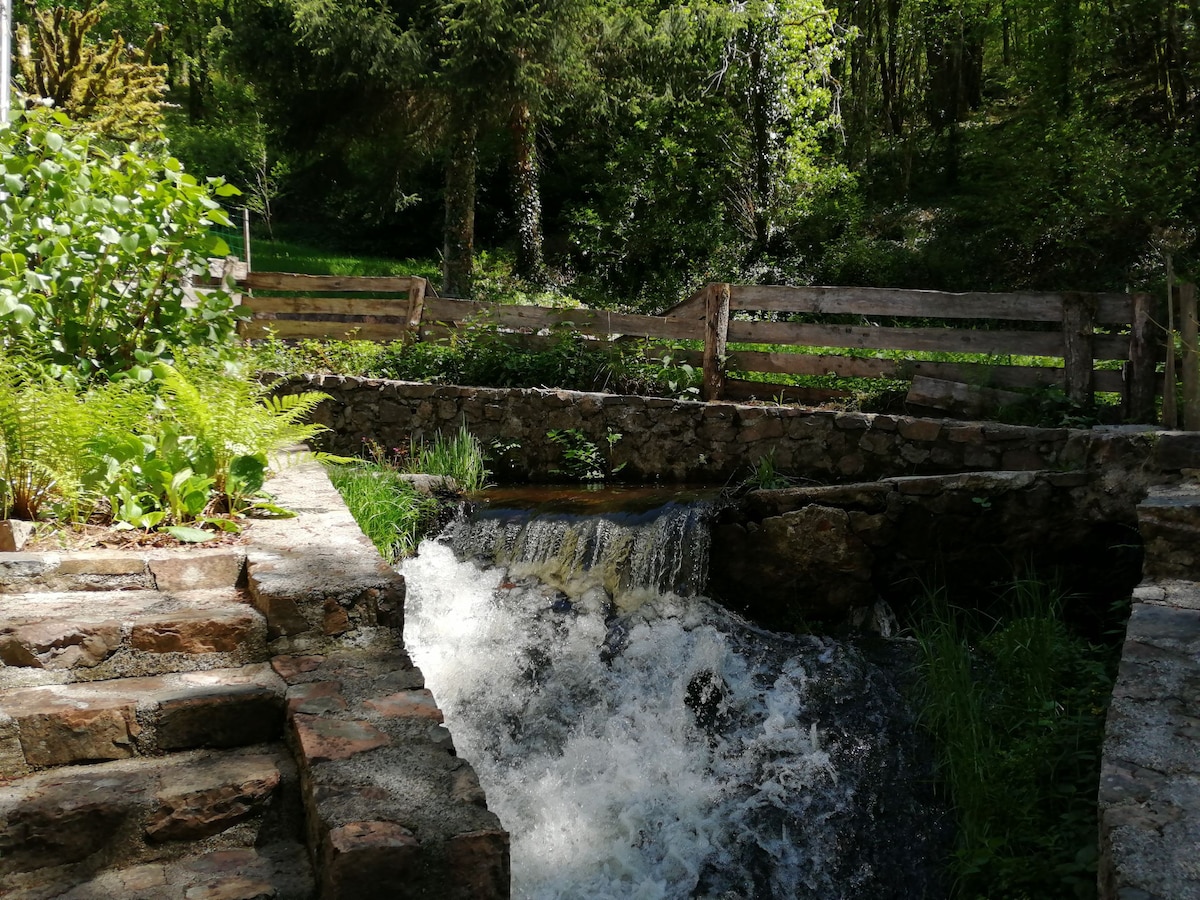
{"x": 229, "y": 725}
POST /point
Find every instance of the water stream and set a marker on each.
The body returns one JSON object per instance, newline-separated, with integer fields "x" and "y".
{"x": 638, "y": 740}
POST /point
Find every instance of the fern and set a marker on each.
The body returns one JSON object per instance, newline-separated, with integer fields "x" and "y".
{"x": 229, "y": 418}
{"x": 46, "y": 427}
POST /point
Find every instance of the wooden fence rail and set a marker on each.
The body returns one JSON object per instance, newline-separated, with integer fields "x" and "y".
{"x": 1086, "y": 331}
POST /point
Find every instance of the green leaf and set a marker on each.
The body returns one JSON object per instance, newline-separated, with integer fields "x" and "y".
{"x": 226, "y": 190}
{"x": 187, "y": 534}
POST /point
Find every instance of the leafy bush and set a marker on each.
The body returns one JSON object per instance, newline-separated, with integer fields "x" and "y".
{"x": 43, "y": 426}
{"x": 191, "y": 446}
{"x": 96, "y": 247}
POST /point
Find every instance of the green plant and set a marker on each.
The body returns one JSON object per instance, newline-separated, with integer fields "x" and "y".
{"x": 95, "y": 249}
{"x": 390, "y": 512}
{"x": 583, "y": 458}
{"x": 45, "y": 427}
{"x": 459, "y": 456}
{"x": 1015, "y": 705}
{"x": 224, "y": 426}
{"x": 766, "y": 477}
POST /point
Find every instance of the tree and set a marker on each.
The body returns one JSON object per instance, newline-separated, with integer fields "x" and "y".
{"x": 114, "y": 87}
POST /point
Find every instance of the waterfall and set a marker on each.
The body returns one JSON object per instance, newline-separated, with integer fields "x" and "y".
{"x": 640, "y": 741}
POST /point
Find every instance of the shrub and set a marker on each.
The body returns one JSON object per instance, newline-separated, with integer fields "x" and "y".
{"x": 96, "y": 247}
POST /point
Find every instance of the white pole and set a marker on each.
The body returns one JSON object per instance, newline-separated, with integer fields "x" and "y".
{"x": 5, "y": 59}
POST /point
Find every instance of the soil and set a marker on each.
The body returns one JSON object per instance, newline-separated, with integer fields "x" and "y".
{"x": 49, "y": 537}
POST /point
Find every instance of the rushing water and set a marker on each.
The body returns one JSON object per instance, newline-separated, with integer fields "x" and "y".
{"x": 639, "y": 741}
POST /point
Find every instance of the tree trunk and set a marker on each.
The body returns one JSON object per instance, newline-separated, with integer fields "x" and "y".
{"x": 527, "y": 197}
{"x": 458, "y": 253}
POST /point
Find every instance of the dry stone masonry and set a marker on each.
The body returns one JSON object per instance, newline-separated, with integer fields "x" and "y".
{"x": 234, "y": 724}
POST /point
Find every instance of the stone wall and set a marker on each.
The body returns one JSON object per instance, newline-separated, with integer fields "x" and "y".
{"x": 682, "y": 441}
{"x": 807, "y": 554}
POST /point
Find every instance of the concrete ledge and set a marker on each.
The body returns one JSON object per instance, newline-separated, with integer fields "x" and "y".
{"x": 390, "y": 808}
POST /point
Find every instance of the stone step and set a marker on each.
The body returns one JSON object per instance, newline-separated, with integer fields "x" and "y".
{"x": 391, "y": 810}
{"x": 67, "y": 724}
{"x": 148, "y": 827}
{"x": 55, "y": 637}
{"x": 280, "y": 871}
{"x": 179, "y": 569}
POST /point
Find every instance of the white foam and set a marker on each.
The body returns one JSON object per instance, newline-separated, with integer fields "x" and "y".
{"x": 602, "y": 774}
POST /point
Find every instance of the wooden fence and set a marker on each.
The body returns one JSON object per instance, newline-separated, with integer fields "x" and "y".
{"x": 1106, "y": 342}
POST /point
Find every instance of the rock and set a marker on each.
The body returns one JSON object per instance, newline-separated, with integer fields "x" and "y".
{"x": 211, "y": 797}
{"x": 69, "y": 735}
{"x": 322, "y": 740}
{"x": 368, "y": 859}
{"x": 13, "y": 535}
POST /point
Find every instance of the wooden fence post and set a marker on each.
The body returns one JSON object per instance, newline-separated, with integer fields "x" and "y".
{"x": 1079, "y": 323}
{"x": 1141, "y": 368}
{"x": 1191, "y": 357}
{"x": 716, "y": 333}
{"x": 416, "y": 305}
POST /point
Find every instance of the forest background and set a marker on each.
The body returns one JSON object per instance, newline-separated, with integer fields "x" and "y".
{"x": 623, "y": 152}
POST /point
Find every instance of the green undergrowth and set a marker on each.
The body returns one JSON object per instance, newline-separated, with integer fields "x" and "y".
{"x": 1015, "y": 705}
{"x": 392, "y": 513}
{"x": 481, "y": 357}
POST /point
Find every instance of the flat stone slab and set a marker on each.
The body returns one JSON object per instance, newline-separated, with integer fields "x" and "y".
{"x": 278, "y": 871}
{"x": 62, "y": 725}
{"x": 55, "y": 827}
{"x": 317, "y": 576}
{"x": 181, "y": 569}
{"x": 95, "y": 635}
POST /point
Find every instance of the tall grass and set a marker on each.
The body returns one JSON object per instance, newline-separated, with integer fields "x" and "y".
{"x": 459, "y": 456}
{"x": 1015, "y": 706}
{"x": 390, "y": 512}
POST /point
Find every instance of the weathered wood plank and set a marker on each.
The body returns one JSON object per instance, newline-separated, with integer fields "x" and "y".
{"x": 444, "y": 309}
{"x": 285, "y": 281}
{"x": 956, "y": 397}
{"x": 784, "y": 363}
{"x": 346, "y": 306}
{"x": 292, "y": 329}
{"x": 948, "y": 340}
{"x": 1112, "y": 309}
{"x": 1144, "y": 339}
{"x": 1078, "y": 345}
{"x": 716, "y": 330}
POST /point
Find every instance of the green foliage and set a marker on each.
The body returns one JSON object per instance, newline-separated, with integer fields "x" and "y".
{"x": 459, "y": 456}
{"x": 390, "y": 512}
{"x": 222, "y": 425}
{"x": 113, "y": 87}
{"x": 44, "y": 426}
{"x": 766, "y": 477}
{"x": 1016, "y": 710}
{"x": 95, "y": 248}
{"x": 582, "y": 458}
